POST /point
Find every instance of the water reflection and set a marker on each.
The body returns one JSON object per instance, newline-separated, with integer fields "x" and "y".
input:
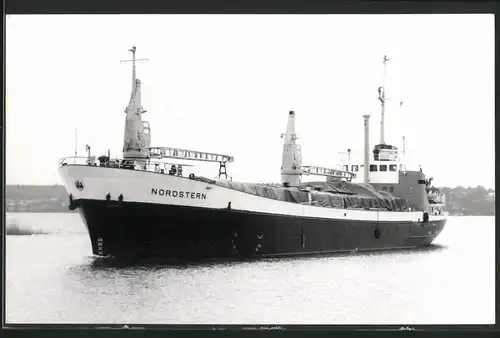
{"x": 54, "y": 279}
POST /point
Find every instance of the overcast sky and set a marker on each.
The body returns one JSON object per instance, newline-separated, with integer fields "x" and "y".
{"x": 225, "y": 83}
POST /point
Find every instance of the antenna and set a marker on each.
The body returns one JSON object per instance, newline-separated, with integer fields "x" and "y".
{"x": 401, "y": 109}
{"x": 348, "y": 152}
{"x": 381, "y": 97}
{"x": 76, "y": 143}
{"x": 87, "y": 147}
{"x": 366, "y": 161}
{"x": 404, "y": 139}
{"x": 134, "y": 60}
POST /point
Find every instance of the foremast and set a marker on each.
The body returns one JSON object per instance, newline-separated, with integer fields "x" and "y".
{"x": 137, "y": 137}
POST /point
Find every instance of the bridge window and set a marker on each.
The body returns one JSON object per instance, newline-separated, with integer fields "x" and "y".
{"x": 421, "y": 181}
{"x": 355, "y": 168}
{"x": 373, "y": 167}
{"x": 346, "y": 168}
{"x": 393, "y": 167}
{"x": 383, "y": 167}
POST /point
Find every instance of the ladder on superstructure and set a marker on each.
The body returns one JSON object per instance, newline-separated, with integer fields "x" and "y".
{"x": 192, "y": 155}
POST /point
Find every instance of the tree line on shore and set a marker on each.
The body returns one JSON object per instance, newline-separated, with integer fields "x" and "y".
{"x": 469, "y": 201}
{"x": 54, "y": 198}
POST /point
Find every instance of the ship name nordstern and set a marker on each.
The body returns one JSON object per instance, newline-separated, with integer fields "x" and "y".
{"x": 178, "y": 194}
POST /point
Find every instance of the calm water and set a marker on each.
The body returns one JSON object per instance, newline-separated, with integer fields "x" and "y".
{"x": 51, "y": 278}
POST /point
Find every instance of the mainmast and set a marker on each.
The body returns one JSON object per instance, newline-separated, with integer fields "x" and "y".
{"x": 381, "y": 97}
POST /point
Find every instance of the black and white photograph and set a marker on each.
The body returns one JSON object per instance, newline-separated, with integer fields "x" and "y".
{"x": 250, "y": 169}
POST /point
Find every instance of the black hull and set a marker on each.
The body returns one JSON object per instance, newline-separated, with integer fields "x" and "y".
{"x": 138, "y": 230}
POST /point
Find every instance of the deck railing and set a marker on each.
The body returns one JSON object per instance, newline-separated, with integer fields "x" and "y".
{"x": 136, "y": 164}
{"x": 438, "y": 198}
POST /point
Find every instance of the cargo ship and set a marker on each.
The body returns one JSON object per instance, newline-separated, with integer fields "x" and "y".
{"x": 147, "y": 204}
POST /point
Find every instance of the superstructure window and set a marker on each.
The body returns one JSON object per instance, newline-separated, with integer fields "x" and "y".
{"x": 391, "y": 189}
{"x": 346, "y": 168}
{"x": 393, "y": 167}
{"x": 373, "y": 167}
{"x": 355, "y": 168}
{"x": 383, "y": 167}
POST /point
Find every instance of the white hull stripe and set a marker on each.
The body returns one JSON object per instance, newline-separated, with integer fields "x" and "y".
{"x": 145, "y": 187}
